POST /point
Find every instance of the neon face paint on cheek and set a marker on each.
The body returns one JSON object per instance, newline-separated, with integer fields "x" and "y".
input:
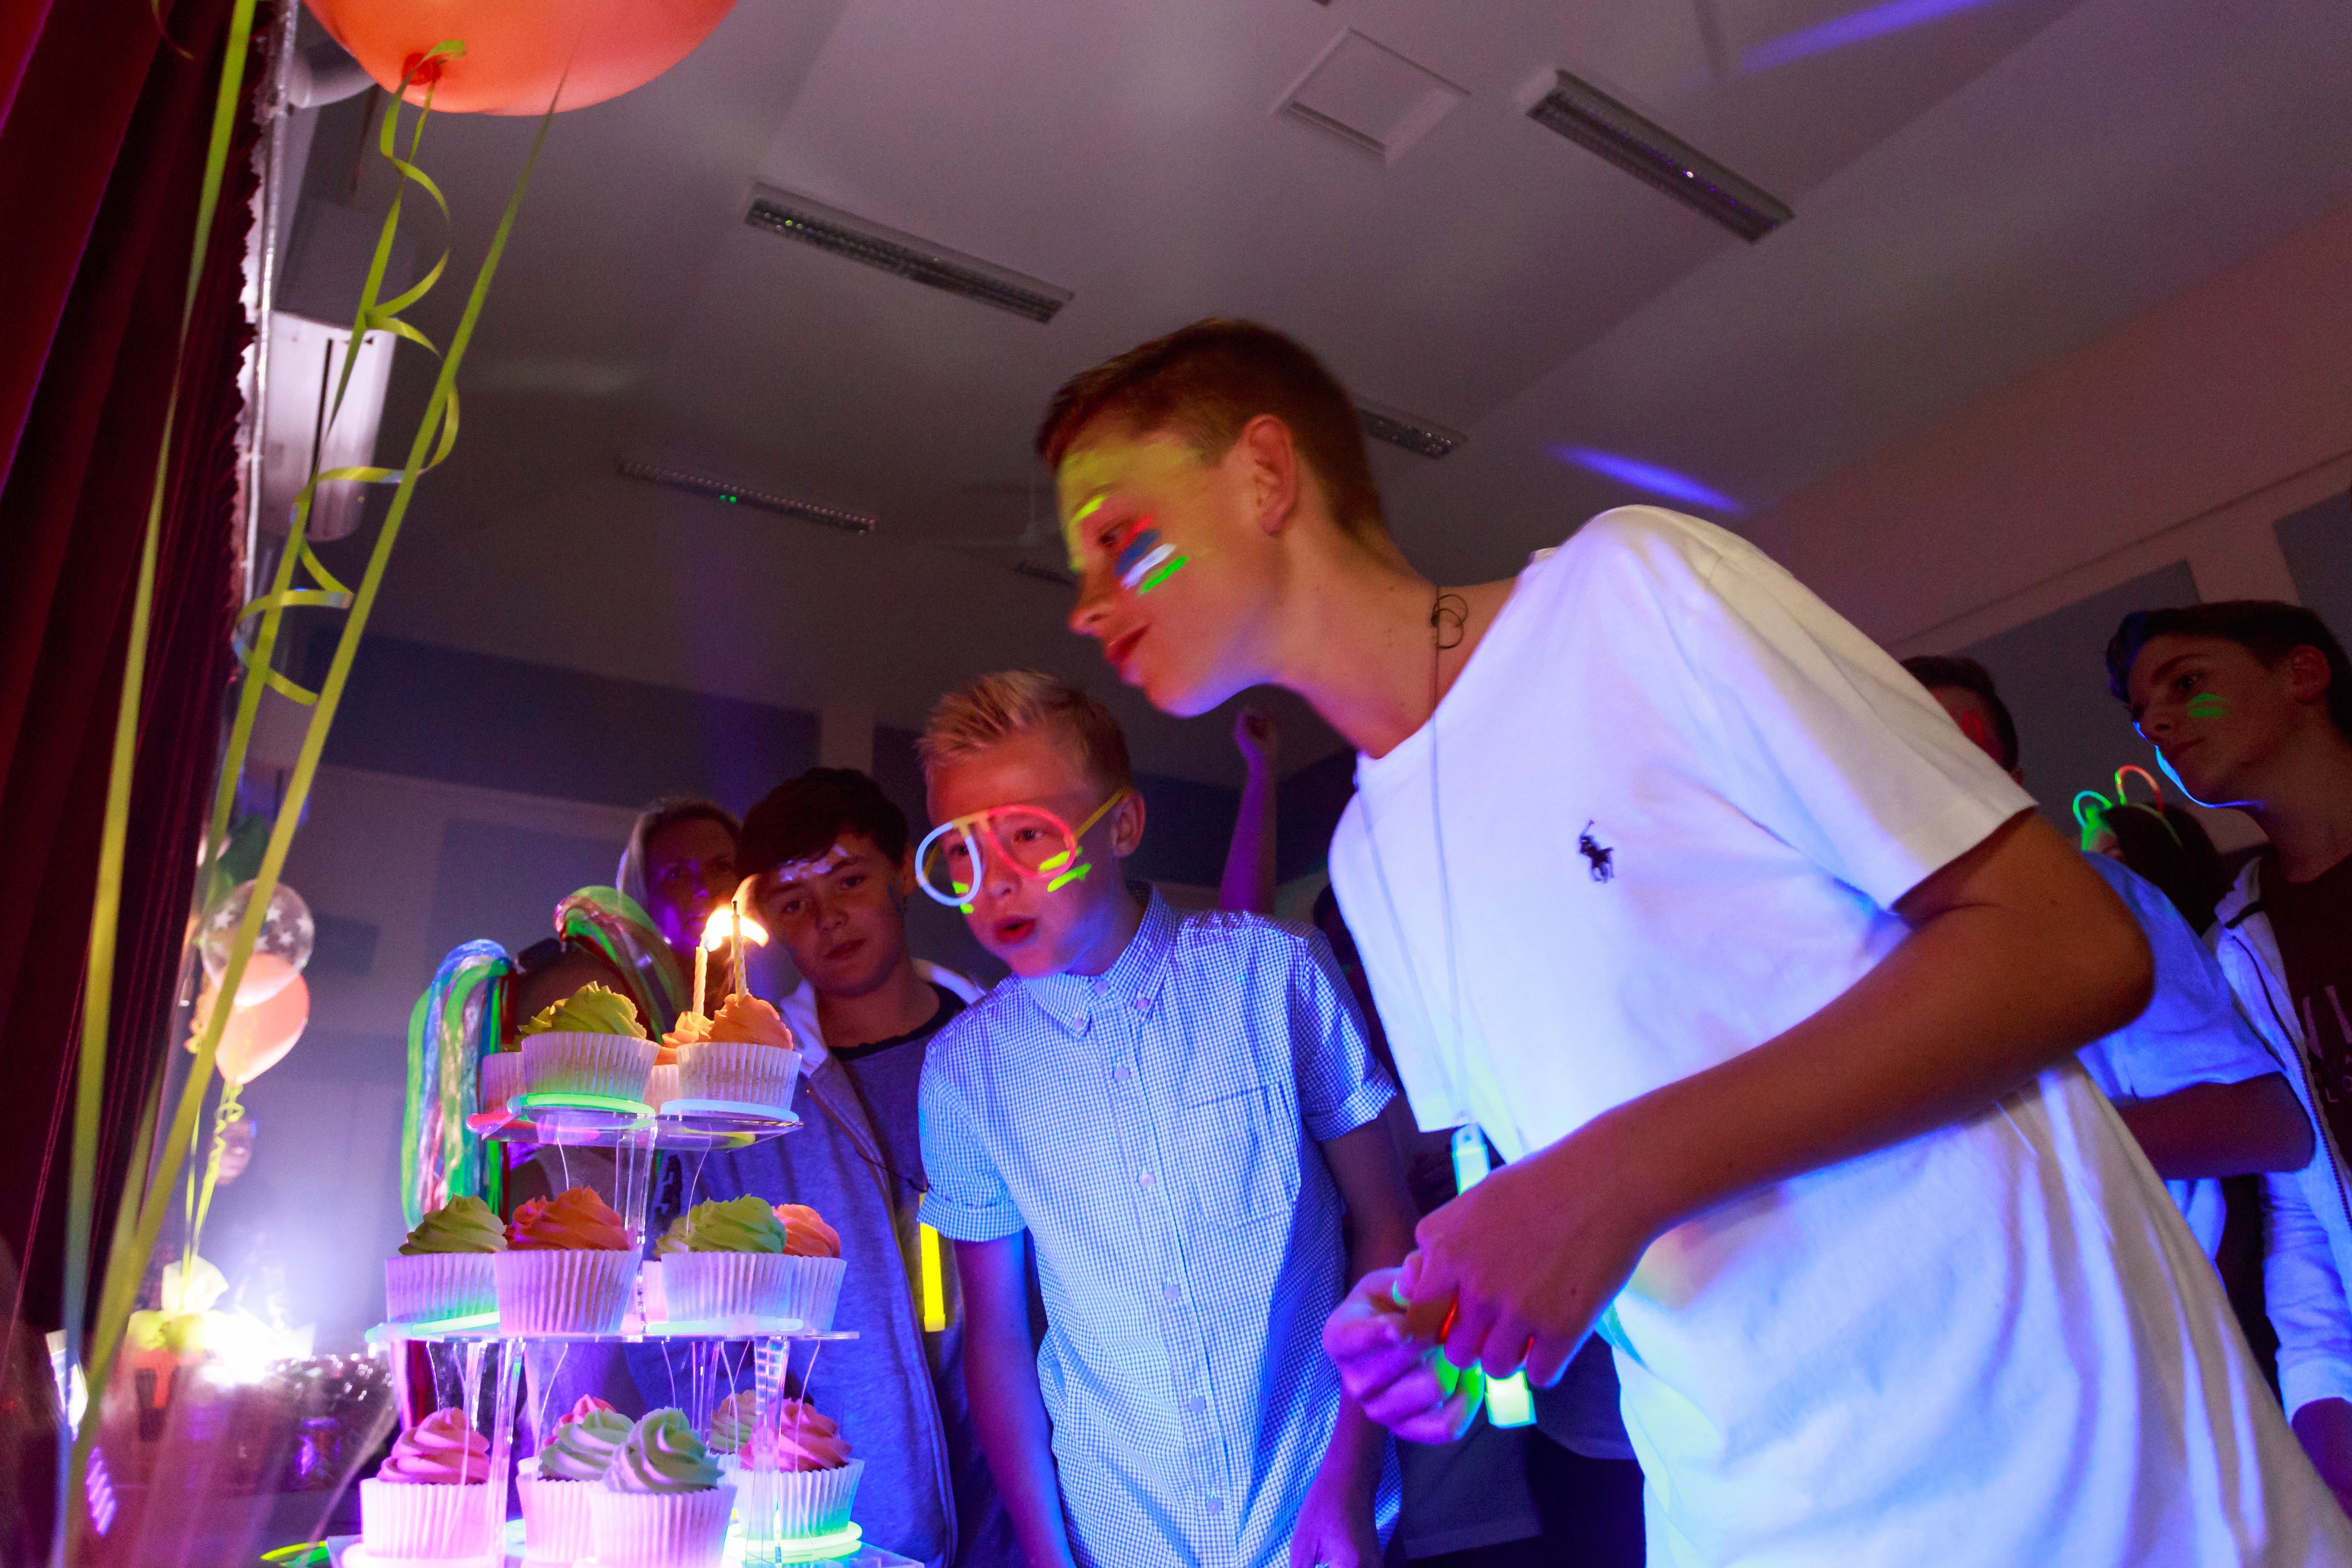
{"x": 1145, "y": 560}
{"x": 2208, "y": 705}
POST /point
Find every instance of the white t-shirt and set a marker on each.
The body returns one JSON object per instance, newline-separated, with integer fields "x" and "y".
{"x": 2192, "y": 1033}
{"x": 1678, "y": 795}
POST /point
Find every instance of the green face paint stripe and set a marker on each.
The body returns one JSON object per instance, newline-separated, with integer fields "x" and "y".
{"x": 1061, "y": 859}
{"x": 2208, "y": 705}
{"x": 1085, "y": 511}
{"x": 1066, "y": 878}
{"x": 1164, "y": 573}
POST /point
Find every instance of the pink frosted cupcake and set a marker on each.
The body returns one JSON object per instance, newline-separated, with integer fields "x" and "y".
{"x": 444, "y": 1267}
{"x": 557, "y": 1482}
{"x": 661, "y": 1503}
{"x": 589, "y": 1043}
{"x": 744, "y": 1054}
{"x": 429, "y": 1501}
{"x": 568, "y": 1268}
{"x": 796, "y": 1475}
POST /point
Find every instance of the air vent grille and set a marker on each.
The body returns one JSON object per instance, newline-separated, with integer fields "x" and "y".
{"x": 1045, "y": 574}
{"x": 1416, "y": 436}
{"x": 739, "y": 495}
{"x": 918, "y": 260}
{"x": 1598, "y": 122}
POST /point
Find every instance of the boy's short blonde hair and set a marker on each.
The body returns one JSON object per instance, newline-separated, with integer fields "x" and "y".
{"x": 1012, "y": 702}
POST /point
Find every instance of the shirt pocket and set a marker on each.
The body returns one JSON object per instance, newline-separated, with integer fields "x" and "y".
{"x": 1240, "y": 1146}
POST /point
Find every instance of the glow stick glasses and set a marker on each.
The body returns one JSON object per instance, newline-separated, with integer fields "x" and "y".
{"x": 1031, "y": 840}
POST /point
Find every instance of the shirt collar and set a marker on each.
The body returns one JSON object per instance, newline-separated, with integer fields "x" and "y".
{"x": 1070, "y": 999}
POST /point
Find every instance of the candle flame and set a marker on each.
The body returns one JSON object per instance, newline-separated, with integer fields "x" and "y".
{"x": 719, "y": 930}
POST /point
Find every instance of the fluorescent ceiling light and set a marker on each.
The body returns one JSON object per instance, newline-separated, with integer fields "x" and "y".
{"x": 741, "y": 495}
{"x": 1654, "y": 155}
{"x": 1399, "y": 429}
{"x": 1649, "y": 477}
{"x": 889, "y": 251}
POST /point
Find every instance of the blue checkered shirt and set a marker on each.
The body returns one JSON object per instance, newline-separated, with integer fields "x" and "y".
{"x": 1153, "y": 1129}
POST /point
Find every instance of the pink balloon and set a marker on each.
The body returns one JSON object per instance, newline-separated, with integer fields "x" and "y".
{"x": 257, "y": 1037}
{"x": 266, "y": 974}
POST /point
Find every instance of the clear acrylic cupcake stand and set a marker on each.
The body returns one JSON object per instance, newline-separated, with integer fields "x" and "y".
{"x": 475, "y": 1368}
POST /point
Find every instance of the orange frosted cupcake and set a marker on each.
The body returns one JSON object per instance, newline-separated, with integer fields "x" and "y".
{"x": 568, "y": 1268}
{"x": 813, "y": 1268}
{"x": 744, "y": 1056}
{"x": 795, "y": 1474}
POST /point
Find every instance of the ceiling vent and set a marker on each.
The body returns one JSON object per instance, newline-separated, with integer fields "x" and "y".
{"x": 1369, "y": 96}
{"x": 1594, "y": 120}
{"x": 1045, "y": 574}
{"x": 739, "y": 495}
{"x": 1399, "y": 429}
{"x": 919, "y": 260}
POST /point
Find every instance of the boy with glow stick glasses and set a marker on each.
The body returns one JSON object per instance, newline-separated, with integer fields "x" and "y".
{"x": 1176, "y": 1110}
{"x": 1775, "y": 1026}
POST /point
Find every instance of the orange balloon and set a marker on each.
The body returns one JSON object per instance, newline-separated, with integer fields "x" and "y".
{"x": 518, "y": 52}
{"x": 257, "y": 1037}
{"x": 266, "y": 974}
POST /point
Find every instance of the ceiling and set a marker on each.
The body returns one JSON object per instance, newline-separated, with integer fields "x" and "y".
{"x": 1977, "y": 190}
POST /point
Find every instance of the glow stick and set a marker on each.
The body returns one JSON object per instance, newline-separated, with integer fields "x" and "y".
{"x": 1508, "y": 1401}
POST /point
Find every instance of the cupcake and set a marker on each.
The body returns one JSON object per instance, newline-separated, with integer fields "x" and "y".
{"x": 589, "y": 1043}
{"x": 444, "y": 1267}
{"x": 502, "y": 1078}
{"x": 731, "y": 1423}
{"x": 430, "y": 1500}
{"x": 814, "y": 1270}
{"x": 733, "y": 1266}
{"x": 795, "y": 1476}
{"x": 661, "y": 1503}
{"x": 557, "y": 1484}
{"x": 567, "y": 1269}
{"x": 744, "y": 1056}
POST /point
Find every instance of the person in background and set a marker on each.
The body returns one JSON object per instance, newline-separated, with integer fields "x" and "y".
{"x": 2169, "y": 848}
{"x": 1174, "y": 1110}
{"x": 1765, "y": 980}
{"x": 2202, "y": 1095}
{"x": 2248, "y": 703}
{"x": 1247, "y": 885}
{"x": 831, "y": 869}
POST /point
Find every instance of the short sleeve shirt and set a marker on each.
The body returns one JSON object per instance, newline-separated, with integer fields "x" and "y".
{"x": 1662, "y": 817}
{"x": 1154, "y": 1129}
{"x": 2190, "y": 1034}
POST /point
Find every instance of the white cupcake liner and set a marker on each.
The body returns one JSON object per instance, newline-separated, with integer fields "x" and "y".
{"x": 701, "y": 1287}
{"x": 787, "y": 1505}
{"x": 812, "y": 1289}
{"x": 733, "y": 1070}
{"x": 661, "y": 1086}
{"x": 557, "y": 1525}
{"x": 653, "y": 1296}
{"x": 502, "y": 1077}
{"x": 563, "y": 1293}
{"x": 427, "y": 1285}
{"x": 566, "y": 1061}
{"x": 416, "y": 1519}
{"x": 660, "y": 1530}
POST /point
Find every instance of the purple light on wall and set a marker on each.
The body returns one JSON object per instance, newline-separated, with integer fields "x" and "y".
{"x": 1872, "y": 22}
{"x": 1649, "y": 477}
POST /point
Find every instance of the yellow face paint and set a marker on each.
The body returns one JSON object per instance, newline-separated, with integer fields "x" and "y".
{"x": 1159, "y": 475}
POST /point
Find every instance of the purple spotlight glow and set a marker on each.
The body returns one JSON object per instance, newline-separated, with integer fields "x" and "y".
{"x": 1649, "y": 477}
{"x": 1876, "y": 21}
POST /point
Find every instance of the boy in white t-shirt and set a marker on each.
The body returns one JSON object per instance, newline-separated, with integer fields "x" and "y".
{"x": 1763, "y": 978}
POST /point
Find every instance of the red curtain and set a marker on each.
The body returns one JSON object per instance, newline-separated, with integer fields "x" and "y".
{"x": 103, "y": 127}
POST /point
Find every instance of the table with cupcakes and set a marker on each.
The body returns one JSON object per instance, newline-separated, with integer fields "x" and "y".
{"x": 480, "y": 1314}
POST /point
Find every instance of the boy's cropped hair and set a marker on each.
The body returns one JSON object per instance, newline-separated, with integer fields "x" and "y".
{"x": 1965, "y": 674}
{"x": 2266, "y": 628}
{"x": 802, "y": 817}
{"x": 997, "y": 707}
{"x": 1206, "y": 382}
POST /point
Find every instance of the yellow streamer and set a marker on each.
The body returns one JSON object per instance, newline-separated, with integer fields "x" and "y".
{"x": 126, "y": 1261}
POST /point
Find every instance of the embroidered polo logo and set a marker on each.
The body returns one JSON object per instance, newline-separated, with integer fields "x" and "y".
{"x": 1603, "y": 859}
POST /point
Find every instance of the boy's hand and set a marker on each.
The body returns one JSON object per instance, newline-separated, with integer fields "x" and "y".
{"x": 1531, "y": 1256}
{"x": 1388, "y": 1374}
{"x": 1335, "y": 1529}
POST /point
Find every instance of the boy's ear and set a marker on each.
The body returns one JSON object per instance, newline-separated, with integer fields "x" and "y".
{"x": 1126, "y": 826}
{"x": 2308, "y": 675}
{"x": 1272, "y": 474}
{"x": 902, "y": 875}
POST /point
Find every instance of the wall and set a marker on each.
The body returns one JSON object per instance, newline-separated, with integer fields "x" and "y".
{"x": 2203, "y": 449}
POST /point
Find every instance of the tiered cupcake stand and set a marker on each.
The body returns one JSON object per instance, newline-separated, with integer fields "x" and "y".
{"x": 479, "y": 1370}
